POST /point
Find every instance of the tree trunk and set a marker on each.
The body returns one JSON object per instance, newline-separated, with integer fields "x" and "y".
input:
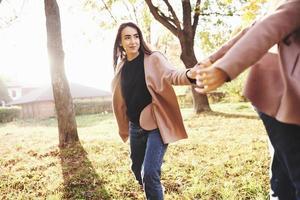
{"x": 188, "y": 57}
{"x": 62, "y": 97}
{"x": 185, "y": 32}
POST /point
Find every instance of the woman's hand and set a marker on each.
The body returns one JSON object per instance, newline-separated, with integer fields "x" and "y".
{"x": 209, "y": 79}
{"x": 192, "y": 73}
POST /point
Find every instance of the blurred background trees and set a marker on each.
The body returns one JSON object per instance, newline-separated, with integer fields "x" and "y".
{"x": 190, "y": 29}
{"x": 198, "y": 27}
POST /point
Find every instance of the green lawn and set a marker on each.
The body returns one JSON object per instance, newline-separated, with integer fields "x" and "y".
{"x": 225, "y": 157}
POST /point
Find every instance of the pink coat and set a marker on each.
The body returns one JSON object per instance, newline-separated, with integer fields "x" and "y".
{"x": 164, "y": 111}
{"x": 274, "y": 82}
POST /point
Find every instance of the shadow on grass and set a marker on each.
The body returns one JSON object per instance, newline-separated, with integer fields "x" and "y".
{"x": 80, "y": 178}
{"x": 230, "y": 115}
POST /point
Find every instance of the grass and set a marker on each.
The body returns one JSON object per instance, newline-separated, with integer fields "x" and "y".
{"x": 225, "y": 157}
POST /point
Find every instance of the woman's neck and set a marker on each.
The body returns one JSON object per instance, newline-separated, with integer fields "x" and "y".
{"x": 132, "y": 57}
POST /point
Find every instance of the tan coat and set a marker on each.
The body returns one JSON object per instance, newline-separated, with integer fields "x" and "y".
{"x": 274, "y": 91}
{"x": 164, "y": 111}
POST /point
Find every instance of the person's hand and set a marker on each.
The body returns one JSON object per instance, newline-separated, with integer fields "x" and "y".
{"x": 192, "y": 73}
{"x": 205, "y": 63}
{"x": 209, "y": 79}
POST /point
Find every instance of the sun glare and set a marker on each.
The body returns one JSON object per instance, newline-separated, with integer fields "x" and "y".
{"x": 23, "y": 48}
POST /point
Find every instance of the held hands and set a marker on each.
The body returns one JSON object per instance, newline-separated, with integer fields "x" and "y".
{"x": 192, "y": 73}
{"x": 209, "y": 79}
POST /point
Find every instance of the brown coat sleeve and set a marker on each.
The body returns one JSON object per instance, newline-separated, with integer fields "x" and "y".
{"x": 254, "y": 43}
{"x": 167, "y": 72}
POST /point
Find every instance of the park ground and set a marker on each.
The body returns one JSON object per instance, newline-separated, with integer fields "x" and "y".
{"x": 225, "y": 157}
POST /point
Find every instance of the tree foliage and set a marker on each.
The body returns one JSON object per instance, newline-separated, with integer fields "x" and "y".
{"x": 217, "y": 29}
{"x": 213, "y": 19}
{"x": 222, "y": 19}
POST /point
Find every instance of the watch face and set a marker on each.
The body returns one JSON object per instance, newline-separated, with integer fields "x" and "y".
{"x": 10, "y": 11}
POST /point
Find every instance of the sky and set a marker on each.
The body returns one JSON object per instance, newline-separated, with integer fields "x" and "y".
{"x": 23, "y": 46}
{"x": 87, "y": 46}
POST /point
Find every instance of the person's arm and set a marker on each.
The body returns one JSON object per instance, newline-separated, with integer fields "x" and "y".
{"x": 220, "y": 75}
{"x": 252, "y": 46}
{"x": 171, "y": 74}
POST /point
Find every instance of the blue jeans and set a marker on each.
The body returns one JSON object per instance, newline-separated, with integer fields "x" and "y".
{"x": 285, "y": 166}
{"x": 147, "y": 152}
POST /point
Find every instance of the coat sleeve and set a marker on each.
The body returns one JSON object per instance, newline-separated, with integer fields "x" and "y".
{"x": 253, "y": 43}
{"x": 167, "y": 72}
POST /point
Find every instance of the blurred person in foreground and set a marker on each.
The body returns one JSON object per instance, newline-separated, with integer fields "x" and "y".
{"x": 273, "y": 86}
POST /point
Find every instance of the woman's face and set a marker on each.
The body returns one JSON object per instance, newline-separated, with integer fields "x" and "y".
{"x": 130, "y": 41}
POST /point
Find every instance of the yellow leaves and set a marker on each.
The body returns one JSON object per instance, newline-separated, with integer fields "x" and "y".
{"x": 226, "y": 1}
{"x": 251, "y": 10}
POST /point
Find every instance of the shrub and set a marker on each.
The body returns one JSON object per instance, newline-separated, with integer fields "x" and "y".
{"x": 215, "y": 97}
{"x": 234, "y": 90}
{"x": 83, "y": 107}
{"x": 8, "y": 114}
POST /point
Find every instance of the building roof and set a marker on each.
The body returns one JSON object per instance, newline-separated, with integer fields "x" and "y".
{"x": 45, "y": 93}
{"x": 10, "y": 84}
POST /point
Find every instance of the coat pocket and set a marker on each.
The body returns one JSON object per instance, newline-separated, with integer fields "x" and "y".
{"x": 296, "y": 67}
{"x": 147, "y": 120}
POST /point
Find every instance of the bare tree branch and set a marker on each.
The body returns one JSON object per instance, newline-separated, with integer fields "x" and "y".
{"x": 220, "y": 14}
{"x": 108, "y": 10}
{"x": 196, "y": 16}
{"x": 176, "y": 20}
{"x": 170, "y": 19}
{"x": 159, "y": 16}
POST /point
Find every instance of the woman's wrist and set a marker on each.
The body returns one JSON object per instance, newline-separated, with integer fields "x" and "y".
{"x": 190, "y": 76}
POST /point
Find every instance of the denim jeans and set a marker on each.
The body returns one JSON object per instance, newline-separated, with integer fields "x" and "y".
{"x": 147, "y": 152}
{"x": 285, "y": 166}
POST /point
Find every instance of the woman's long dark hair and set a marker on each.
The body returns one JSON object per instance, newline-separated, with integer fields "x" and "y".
{"x": 119, "y": 51}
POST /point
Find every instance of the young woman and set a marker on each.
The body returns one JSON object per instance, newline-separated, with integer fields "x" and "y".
{"x": 145, "y": 105}
{"x": 273, "y": 86}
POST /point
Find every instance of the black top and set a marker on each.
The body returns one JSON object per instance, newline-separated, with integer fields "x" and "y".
{"x": 134, "y": 89}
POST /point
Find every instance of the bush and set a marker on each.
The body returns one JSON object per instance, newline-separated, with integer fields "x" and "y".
{"x": 185, "y": 101}
{"x": 8, "y": 114}
{"x": 234, "y": 90}
{"x": 215, "y": 97}
{"x": 83, "y": 107}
